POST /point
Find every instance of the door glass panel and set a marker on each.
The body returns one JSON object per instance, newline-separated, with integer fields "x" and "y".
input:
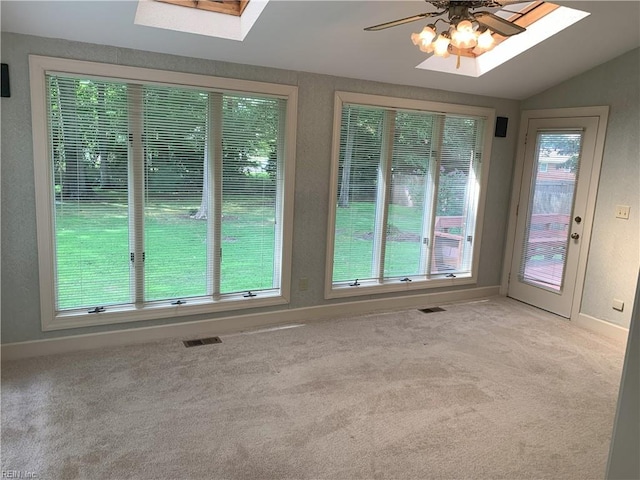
{"x": 553, "y": 184}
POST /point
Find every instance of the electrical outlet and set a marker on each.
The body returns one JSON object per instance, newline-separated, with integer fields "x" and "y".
{"x": 303, "y": 284}
{"x": 622, "y": 211}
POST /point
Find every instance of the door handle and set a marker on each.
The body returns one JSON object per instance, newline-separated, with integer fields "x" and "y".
{"x": 575, "y": 236}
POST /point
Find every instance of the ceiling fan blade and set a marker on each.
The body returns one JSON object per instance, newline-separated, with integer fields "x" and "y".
{"x": 498, "y": 25}
{"x": 402, "y": 21}
{"x": 504, "y": 3}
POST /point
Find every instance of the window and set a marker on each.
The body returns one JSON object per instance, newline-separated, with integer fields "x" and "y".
{"x": 407, "y": 189}
{"x": 159, "y": 197}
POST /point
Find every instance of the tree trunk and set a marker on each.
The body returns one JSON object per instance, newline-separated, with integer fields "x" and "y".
{"x": 203, "y": 211}
{"x": 102, "y": 153}
{"x": 345, "y": 184}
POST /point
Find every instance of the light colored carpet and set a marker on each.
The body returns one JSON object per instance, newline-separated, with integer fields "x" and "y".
{"x": 494, "y": 389}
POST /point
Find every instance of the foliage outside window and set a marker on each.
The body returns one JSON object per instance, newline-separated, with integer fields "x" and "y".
{"x": 407, "y": 190}
{"x": 163, "y": 196}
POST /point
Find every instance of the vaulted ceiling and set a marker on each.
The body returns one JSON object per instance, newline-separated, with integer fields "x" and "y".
{"x": 327, "y": 37}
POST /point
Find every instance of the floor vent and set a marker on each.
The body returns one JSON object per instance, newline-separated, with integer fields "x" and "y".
{"x": 201, "y": 341}
{"x": 432, "y": 310}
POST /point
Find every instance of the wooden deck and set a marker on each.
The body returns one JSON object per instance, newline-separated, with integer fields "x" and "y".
{"x": 545, "y": 273}
{"x": 548, "y": 235}
{"x": 544, "y": 254}
{"x": 447, "y": 251}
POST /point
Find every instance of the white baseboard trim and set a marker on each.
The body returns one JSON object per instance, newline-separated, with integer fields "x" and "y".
{"x": 234, "y": 324}
{"x": 607, "y": 329}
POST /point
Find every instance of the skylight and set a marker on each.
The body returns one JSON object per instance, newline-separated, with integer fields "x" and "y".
{"x": 230, "y": 7}
{"x": 541, "y": 19}
{"x": 230, "y": 19}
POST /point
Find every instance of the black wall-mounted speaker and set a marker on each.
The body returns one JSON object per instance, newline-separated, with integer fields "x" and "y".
{"x": 501, "y": 126}
{"x": 5, "y": 90}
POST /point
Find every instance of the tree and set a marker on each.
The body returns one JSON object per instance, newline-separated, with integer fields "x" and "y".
{"x": 89, "y": 130}
{"x": 562, "y": 144}
{"x": 174, "y": 140}
{"x": 203, "y": 210}
{"x": 249, "y": 130}
{"x": 360, "y": 149}
{"x": 74, "y": 184}
{"x": 345, "y": 183}
{"x": 412, "y": 142}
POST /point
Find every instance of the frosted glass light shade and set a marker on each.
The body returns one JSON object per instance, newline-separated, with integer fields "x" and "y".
{"x": 424, "y": 38}
{"x": 486, "y": 41}
{"x": 441, "y": 46}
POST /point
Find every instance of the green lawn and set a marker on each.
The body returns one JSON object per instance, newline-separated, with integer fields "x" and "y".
{"x": 94, "y": 236}
{"x": 354, "y": 241}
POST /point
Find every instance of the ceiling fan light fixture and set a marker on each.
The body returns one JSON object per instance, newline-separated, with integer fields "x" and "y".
{"x": 470, "y": 33}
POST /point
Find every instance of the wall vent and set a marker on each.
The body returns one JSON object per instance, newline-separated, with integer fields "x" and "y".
{"x": 201, "y": 341}
{"x": 431, "y": 310}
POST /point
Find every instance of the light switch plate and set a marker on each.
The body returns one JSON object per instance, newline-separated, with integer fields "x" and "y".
{"x": 622, "y": 211}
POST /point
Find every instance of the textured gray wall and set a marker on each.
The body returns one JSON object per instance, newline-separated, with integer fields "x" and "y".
{"x": 625, "y": 441}
{"x": 20, "y": 306}
{"x": 614, "y": 253}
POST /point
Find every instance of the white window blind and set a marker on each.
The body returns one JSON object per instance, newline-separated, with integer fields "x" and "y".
{"x": 360, "y": 150}
{"x": 408, "y": 225}
{"x": 163, "y": 194}
{"x": 549, "y": 215}
{"x": 458, "y": 192}
{"x": 408, "y": 186}
{"x": 251, "y": 145}
{"x": 88, "y": 134}
{"x": 175, "y": 229}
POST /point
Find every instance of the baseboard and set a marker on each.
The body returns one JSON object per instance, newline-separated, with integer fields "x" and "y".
{"x": 234, "y": 324}
{"x": 607, "y": 329}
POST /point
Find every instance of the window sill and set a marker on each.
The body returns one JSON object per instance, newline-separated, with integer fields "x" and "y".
{"x": 344, "y": 290}
{"x": 159, "y": 310}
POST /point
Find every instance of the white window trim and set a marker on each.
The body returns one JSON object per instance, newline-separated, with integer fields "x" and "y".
{"x": 343, "y": 289}
{"x": 39, "y": 66}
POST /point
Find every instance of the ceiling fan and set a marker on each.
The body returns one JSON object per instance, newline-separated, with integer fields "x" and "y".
{"x": 459, "y": 10}
{"x": 469, "y": 29}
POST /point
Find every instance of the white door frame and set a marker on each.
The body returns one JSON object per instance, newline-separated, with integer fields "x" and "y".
{"x": 603, "y": 114}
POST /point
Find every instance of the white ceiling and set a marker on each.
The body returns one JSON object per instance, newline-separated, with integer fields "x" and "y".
{"x": 327, "y": 37}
